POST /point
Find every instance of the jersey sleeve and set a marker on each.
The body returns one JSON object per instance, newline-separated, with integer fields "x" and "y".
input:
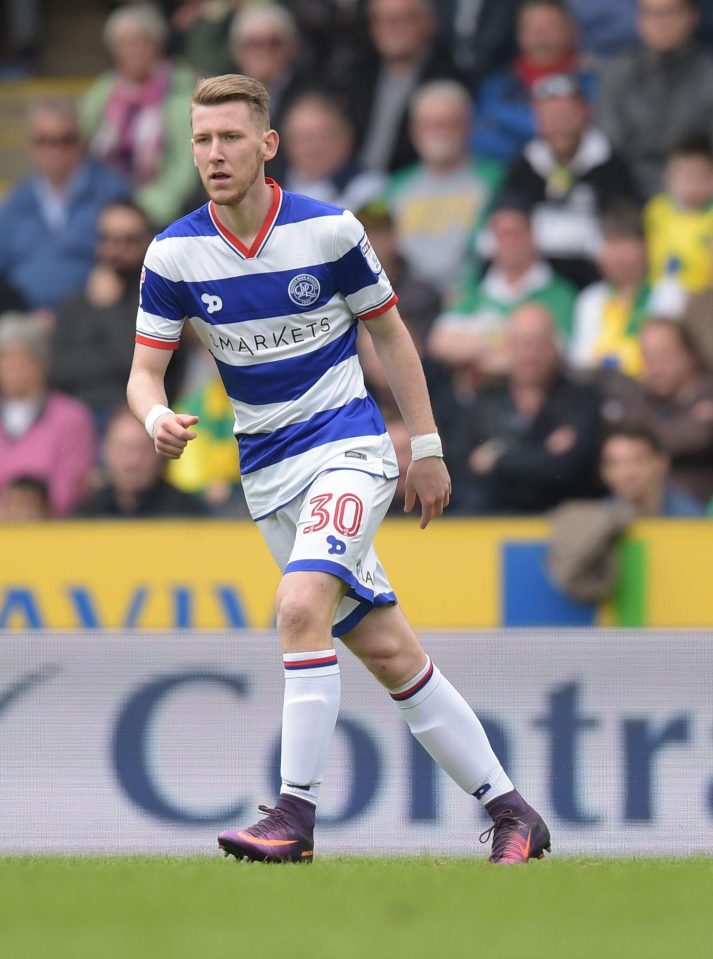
{"x": 160, "y": 317}
{"x": 360, "y": 276}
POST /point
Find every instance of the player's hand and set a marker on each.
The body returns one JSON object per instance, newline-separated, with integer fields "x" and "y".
{"x": 427, "y": 480}
{"x": 171, "y": 434}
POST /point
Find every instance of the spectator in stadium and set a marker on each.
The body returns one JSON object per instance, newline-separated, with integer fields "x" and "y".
{"x": 529, "y": 441}
{"x": 676, "y": 404}
{"x": 635, "y": 469}
{"x": 134, "y": 485}
{"x": 202, "y": 29}
{"x": 679, "y": 222}
{"x": 609, "y": 314}
{"x": 419, "y": 304}
{"x": 659, "y": 93}
{"x": 481, "y": 35}
{"x": 546, "y": 41}
{"x": 569, "y": 175}
{"x": 317, "y": 142}
{"x": 404, "y": 53}
{"x": 605, "y": 27}
{"x": 440, "y": 202}
{"x": 48, "y": 222}
{"x": 265, "y": 44}
{"x": 43, "y": 433}
{"x": 24, "y": 499}
{"x": 93, "y": 340}
{"x": 136, "y": 115}
{"x": 472, "y": 332}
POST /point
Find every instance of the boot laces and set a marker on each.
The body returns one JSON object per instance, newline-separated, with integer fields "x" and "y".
{"x": 273, "y": 818}
{"x": 503, "y": 840}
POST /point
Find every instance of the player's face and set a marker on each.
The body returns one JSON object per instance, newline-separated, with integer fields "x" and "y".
{"x": 230, "y": 149}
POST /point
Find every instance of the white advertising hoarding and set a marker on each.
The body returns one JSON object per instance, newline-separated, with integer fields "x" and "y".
{"x": 154, "y": 742}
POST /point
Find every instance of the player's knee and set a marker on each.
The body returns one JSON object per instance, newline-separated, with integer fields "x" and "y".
{"x": 393, "y": 667}
{"x": 295, "y": 614}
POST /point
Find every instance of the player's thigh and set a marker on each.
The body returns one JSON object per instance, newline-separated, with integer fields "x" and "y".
{"x": 387, "y": 645}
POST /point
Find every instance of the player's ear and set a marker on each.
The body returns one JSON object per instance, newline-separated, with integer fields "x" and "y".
{"x": 270, "y": 143}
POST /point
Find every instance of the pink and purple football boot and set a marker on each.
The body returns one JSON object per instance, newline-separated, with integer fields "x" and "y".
{"x": 284, "y": 835}
{"x": 519, "y": 832}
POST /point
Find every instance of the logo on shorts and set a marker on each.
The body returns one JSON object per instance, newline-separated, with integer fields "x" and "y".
{"x": 212, "y": 303}
{"x": 304, "y": 289}
{"x": 355, "y": 455}
{"x": 336, "y": 546}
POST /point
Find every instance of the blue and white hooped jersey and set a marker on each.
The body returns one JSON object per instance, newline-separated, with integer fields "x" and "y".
{"x": 280, "y": 321}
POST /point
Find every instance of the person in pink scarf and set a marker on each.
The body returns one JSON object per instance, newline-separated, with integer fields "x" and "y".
{"x": 43, "y": 434}
{"x": 135, "y": 116}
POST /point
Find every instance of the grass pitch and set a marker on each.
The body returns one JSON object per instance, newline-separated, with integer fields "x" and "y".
{"x": 72, "y": 908}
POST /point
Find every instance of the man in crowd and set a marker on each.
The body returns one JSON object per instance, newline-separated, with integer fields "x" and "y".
{"x": 659, "y": 93}
{"x": 530, "y": 441}
{"x": 441, "y": 201}
{"x": 405, "y": 52}
{"x": 48, "y": 222}
{"x": 569, "y": 176}
{"x": 546, "y": 41}
{"x": 472, "y": 333}
{"x": 318, "y": 141}
{"x": 93, "y": 334}
{"x": 134, "y": 485}
{"x": 677, "y": 405}
{"x": 635, "y": 469}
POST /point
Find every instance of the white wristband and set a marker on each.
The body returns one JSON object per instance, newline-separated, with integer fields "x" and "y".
{"x": 153, "y": 414}
{"x": 428, "y": 444}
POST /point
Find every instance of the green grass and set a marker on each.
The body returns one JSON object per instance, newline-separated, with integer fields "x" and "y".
{"x": 343, "y": 908}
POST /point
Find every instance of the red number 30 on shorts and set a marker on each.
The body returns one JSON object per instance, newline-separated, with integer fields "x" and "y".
{"x": 348, "y": 513}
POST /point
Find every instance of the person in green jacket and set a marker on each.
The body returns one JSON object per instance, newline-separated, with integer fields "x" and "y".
{"x": 136, "y": 115}
{"x": 472, "y": 331}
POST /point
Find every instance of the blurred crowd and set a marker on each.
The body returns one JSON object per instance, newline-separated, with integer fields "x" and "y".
{"x": 536, "y": 177}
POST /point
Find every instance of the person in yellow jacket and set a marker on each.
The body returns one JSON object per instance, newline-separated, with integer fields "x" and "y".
{"x": 679, "y": 222}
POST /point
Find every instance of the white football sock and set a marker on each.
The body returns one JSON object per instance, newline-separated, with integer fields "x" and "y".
{"x": 309, "y": 715}
{"x": 451, "y": 733}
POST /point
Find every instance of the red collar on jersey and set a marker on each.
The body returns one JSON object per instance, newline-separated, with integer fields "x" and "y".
{"x": 263, "y": 232}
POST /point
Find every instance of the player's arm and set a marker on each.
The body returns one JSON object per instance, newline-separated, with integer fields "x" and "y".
{"x": 147, "y": 398}
{"x": 426, "y": 478}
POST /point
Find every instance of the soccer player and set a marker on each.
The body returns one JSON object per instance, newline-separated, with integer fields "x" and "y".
{"x": 274, "y": 284}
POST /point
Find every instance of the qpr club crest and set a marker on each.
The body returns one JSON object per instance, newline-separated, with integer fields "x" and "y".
{"x": 304, "y": 289}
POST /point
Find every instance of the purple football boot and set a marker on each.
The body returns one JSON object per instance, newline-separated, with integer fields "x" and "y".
{"x": 519, "y": 832}
{"x": 284, "y": 835}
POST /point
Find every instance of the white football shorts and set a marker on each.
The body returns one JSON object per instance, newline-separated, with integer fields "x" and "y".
{"x": 330, "y": 528}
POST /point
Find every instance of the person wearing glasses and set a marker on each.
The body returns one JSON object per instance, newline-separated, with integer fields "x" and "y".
{"x": 48, "y": 221}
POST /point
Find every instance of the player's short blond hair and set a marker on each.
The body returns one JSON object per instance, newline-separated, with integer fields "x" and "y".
{"x": 234, "y": 87}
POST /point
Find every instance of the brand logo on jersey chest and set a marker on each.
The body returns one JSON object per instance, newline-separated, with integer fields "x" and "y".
{"x": 212, "y": 303}
{"x": 304, "y": 289}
